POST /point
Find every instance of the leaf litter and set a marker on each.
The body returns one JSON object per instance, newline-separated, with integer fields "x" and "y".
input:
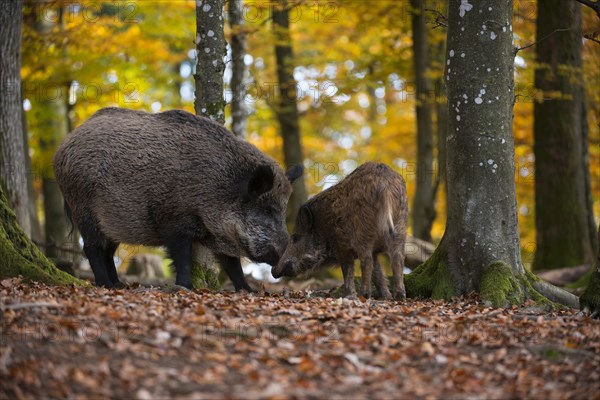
{"x": 150, "y": 343}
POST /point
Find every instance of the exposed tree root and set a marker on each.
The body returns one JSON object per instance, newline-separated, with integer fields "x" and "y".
{"x": 556, "y": 294}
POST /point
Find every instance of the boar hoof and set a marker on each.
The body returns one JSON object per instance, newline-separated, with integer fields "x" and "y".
{"x": 386, "y": 296}
{"x": 400, "y": 295}
{"x": 248, "y": 290}
{"x": 119, "y": 285}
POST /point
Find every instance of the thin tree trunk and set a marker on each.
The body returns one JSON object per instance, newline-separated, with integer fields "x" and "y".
{"x": 211, "y": 49}
{"x": 287, "y": 108}
{"x": 441, "y": 110}
{"x": 423, "y": 203}
{"x": 589, "y": 196}
{"x": 12, "y": 153}
{"x": 53, "y": 127}
{"x": 562, "y": 209}
{"x": 239, "y": 112}
{"x": 441, "y": 126}
{"x": 480, "y": 248}
{"x": 36, "y": 229}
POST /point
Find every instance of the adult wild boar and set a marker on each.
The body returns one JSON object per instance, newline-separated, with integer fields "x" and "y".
{"x": 360, "y": 217}
{"x": 172, "y": 179}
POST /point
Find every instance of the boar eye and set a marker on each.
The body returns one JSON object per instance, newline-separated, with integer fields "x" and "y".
{"x": 295, "y": 238}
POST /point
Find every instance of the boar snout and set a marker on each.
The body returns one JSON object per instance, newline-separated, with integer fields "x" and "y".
{"x": 283, "y": 269}
{"x": 271, "y": 256}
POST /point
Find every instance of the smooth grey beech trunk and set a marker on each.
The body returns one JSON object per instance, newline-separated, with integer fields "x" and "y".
{"x": 565, "y": 236}
{"x": 12, "y": 154}
{"x": 423, "y": 211}
{"x": 209, "y": 103}
{"x": 482, "y": 212}
{"x": 239, "y": 112}
{"x": 287, "y": 108}
{"x": 211, "y": 49}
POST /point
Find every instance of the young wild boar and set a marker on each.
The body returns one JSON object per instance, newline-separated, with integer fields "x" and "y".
{"x": 172, "y": 179}
{"x": 360, "y": 217}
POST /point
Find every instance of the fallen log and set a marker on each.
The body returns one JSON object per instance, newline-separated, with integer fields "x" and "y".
{"x": 417, "y": 251}
{"x": 563, "y": 276}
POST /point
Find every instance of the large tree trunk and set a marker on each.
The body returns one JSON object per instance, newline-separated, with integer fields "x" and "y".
{"x": 423, "y": 211}
{"x": 562, "y": 213}
{"x": 12, "y": 154}
{"x": 287, "y": 108}
{"x": 18, "y": 255}
{"x": 239, "y": 112}
{"x": 211, "y": 49}
{"x": 480, "y": 248}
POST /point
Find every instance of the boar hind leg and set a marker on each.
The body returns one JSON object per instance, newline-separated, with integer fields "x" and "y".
{"x": 109, "y": 255}
{"x": 94, "y": 247}
{"x": 366, "y": 266}
{"x": 180, "y": 251}
{"x": 348, "y": 272}
{"x": 96, "y": 256}
{"x": 380, "y": 280}
{"x": 233, "y": 269}
{"x": 397, "y": 260}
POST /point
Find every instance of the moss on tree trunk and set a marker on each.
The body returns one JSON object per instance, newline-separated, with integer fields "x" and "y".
{"x": 21, "y": 257}
{"x": 590, "y": 299}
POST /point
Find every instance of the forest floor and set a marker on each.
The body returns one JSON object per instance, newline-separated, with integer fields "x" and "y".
{"x": 139, "y": 342}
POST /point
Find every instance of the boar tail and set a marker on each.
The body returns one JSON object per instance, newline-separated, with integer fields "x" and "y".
{"x": 69, "y": 216}
{"x": 386, "y": 219}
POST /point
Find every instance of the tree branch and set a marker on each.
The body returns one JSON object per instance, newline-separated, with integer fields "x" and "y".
{"x": 594, "y": 5}
{"x": 517, "y": 49}
{"x": 591, "y": 37}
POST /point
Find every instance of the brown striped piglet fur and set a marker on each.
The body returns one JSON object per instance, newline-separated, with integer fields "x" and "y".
{"x": 362, "y": 216}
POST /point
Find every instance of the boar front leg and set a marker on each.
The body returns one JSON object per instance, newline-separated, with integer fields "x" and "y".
{"x": 233, "y": 269}
{"x": 348, "y": 272}
{"x": 180, "y": 250}
{"x": 366, "y": 266}
{"x": 380, "y": 280}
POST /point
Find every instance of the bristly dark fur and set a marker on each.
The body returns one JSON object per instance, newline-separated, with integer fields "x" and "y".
{"x": 171, "y": 179}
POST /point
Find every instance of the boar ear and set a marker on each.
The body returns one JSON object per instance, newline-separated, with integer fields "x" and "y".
{"x": 261, "y": 181}
{"x": 305, "y": 216}
{"x": 294, "y": 172}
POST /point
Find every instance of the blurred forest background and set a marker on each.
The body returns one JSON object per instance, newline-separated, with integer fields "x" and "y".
{"x": 353, "y": 62}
